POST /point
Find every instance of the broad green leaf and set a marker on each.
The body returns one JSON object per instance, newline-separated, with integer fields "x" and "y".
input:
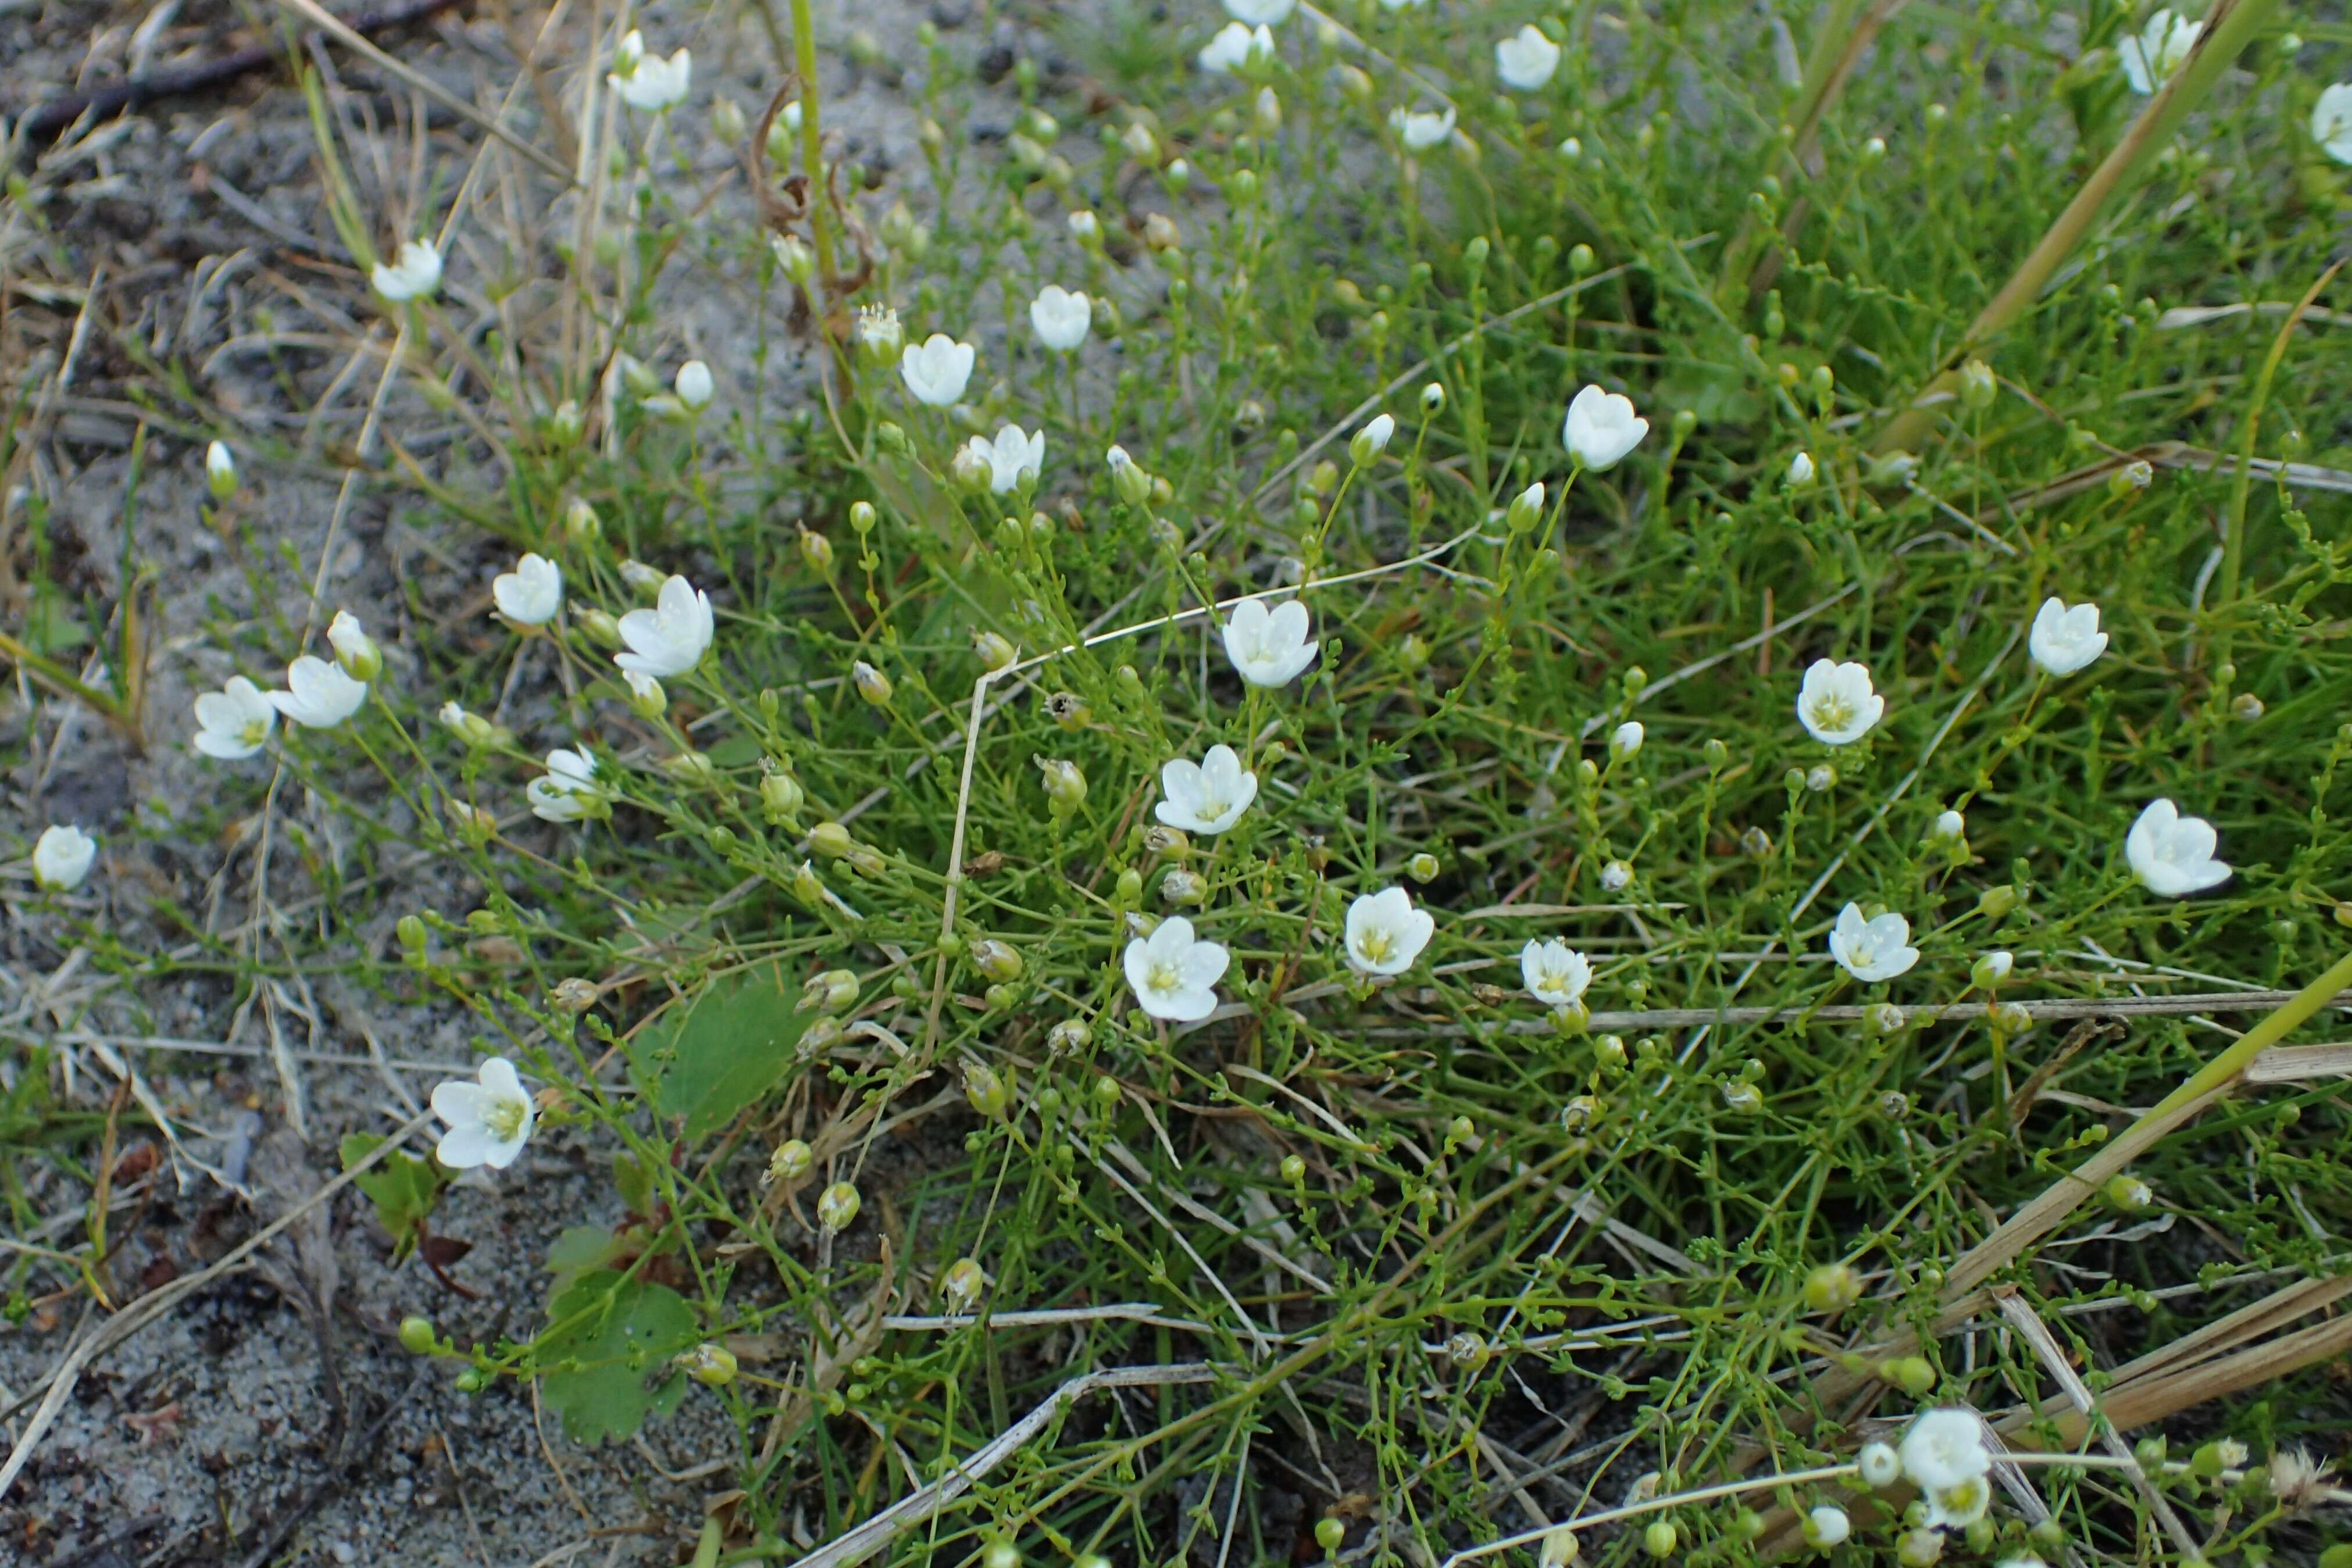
{"x": 579, "y": 1249}
{"x": 403, "y": 1189}
{"x": 606, "y": 1335}
{"x": 708, "y": 1059}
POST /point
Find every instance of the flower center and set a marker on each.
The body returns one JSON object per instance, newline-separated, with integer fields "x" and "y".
{"x": 1552, "y": 980}
{"x": 254, "y": 732}
{"x": 504, "y": 1118}
{"x": 1163, "y": 976}
{"x": 1376, "y": 945}
{"x": 1832, "y": 711}
{"x": 1865, "y": 952}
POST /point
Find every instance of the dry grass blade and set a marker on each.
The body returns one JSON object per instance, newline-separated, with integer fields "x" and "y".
{"x": 879, "y": 1531}
{"x": 2301, "y": 1063}
{"x": 2036, "y": 1334}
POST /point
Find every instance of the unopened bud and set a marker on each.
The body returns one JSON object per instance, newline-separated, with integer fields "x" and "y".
{"x": 1991, "y": 970}
{"x": 1065, "y": 787}
{"x": 1626, "y": 741}
{"x": 1183, "y": 887}
{"x": 832, "y": 991}
{"x": 837, "y": 1206}
{"x": 963, "y": 1283}
{"x": 997, "y": 960}
{"x": 2128, "y": 1194}
{"x": 872, "y": 684}
{"x": 831, "y": 840}
{"x": 995, "y": 650}
{"x": 710, "y": 1363}
{"x": 417, "y": 1335}
{"x": 791, "y": 1161}
{"x": 1371, "y": 441}
{"x": 1978, "y": 387}
{"x": 1832, "y": 1288}
{"x": 781, "y": 796}
{"x": 355, "y": 651}
{"x": 220, "y": 471}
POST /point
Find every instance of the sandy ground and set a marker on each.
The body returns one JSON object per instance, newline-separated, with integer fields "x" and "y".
{"x": 271, "y": 1416}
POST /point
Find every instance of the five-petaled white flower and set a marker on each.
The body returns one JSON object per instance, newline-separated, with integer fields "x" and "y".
{"x": 236, "y": 721}
{"x": 1525, "y": 60}
{"x": 1175, "y": 974}
{"x": 414, "y": 273}
{"x": 1556, "y": 974}
{"x": 1601, "y": 428}
{"x": 649, "y": 82}
{"x": 937, "y": 368}
{"x": 671, "y": 638}
{"x": 568, "y": 791}
{"x": 1016, "y": 455}
{"x": 1385, "y": 933}
{"x": 1208, "y": 795}
{"x": 2157, "y": 50}
{"x": 1836, "y": 704}
{"x": 2173, "y": 854}
{"x": 319, "y": 696}
{"x": 1237, "y": 46}
{"x": 532, "y": 593}
{"x": 489, "y": 1120}
{"x": 693, "y": 385}
{"x": 2063, "y": 641}
{"x": 2331, "y": 121}
{"x": 1062, "y": 317}
{"x": 1943, "y": 1448}
{"x": 61, "y": 857}
{"x": 1261, "y": 13}
{"x": 1269, "y": 647}
{"x": 1420, "y": 129}
{"x": 1872, "y": 950}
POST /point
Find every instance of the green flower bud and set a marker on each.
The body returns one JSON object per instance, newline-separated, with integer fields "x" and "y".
{"x": 1065, "y": 787}
{"x": 837, "y": 1206}
{"x": 1832, "y": 1288}
{"x": 831, "y": 840}
{"x": 1978, "y": 387}
{"x": 984, "y": 1091}
{"x": 2127, "y": 1193}
{"x": 1330, "y": 1534}
{"x": 817, "y": 552}
{"x": 1659, "y": 1538}
{"x": 872, "y": 684}
{"x": 789, "y": 1162}
{"x": 710, "y": 1364}
{"x": 995, "y": 651}
{"x": 997, "y": 960}
{"x": 1294, "y": 1170}
{"x": 780, "y": 796}
{"x": 416, "y": 1336}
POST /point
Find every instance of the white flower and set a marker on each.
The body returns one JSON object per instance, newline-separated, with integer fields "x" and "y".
{"x": 2157, "y": 51}
{"x": 2331, "y": 121}
{"x": 880, "y": 334}
{"x": 2063, "y": 641}
{"x": 1419, "y": 129}
{"x": 355, "y": 651}
{"x": 568, "y": 791}
{"x": 1013, "y": 455}
{"x": 1173, "y": 974}
{"x": 2173, "y": 854}
{"x": 1827, "y": 1525}
{"x": 671, "y": 638}
{"x": 489, "y": 1120}
{"x": 1235, "y": 47}
{"x": 1601, "y": 428}
{"x": 220, "y": 471}
{"x": 61, "y": 857}
{"x": 1261, "y": 13}
{"x": 1959, "y": 1505}
{"x": 532, "y": 593}
{"x": 936, "y": 370}
{"x": 1268, "y": 647}
{"x": 1943, "y": 1447}
{"x": 236, "y": 721}
{"x": 1949, "y": 824}
{"x": 1878, "y": 1466}
{"x": 1801, "y": 470}
{"x": 1625, "y": 741}
{"x": 1208, "y": 795}
{"x": 412, "y": 274}
{"x": 649, "y": 82}
{"x": 1836, "y": 704}
{"x": 1372, "y": 439}
{"x": 1386, "y": 932}
{"x": 1872, "y": 950}
{"x": 1062, "y": 317}
{"x": 1525, "y": 60}
{"x": 320, "y": 695}
{"x": 1556, "y": 974}
{"x": 693, "y": 385}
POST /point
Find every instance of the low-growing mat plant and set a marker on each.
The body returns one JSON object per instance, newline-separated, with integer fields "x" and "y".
{"x": 1774, "y": 594}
